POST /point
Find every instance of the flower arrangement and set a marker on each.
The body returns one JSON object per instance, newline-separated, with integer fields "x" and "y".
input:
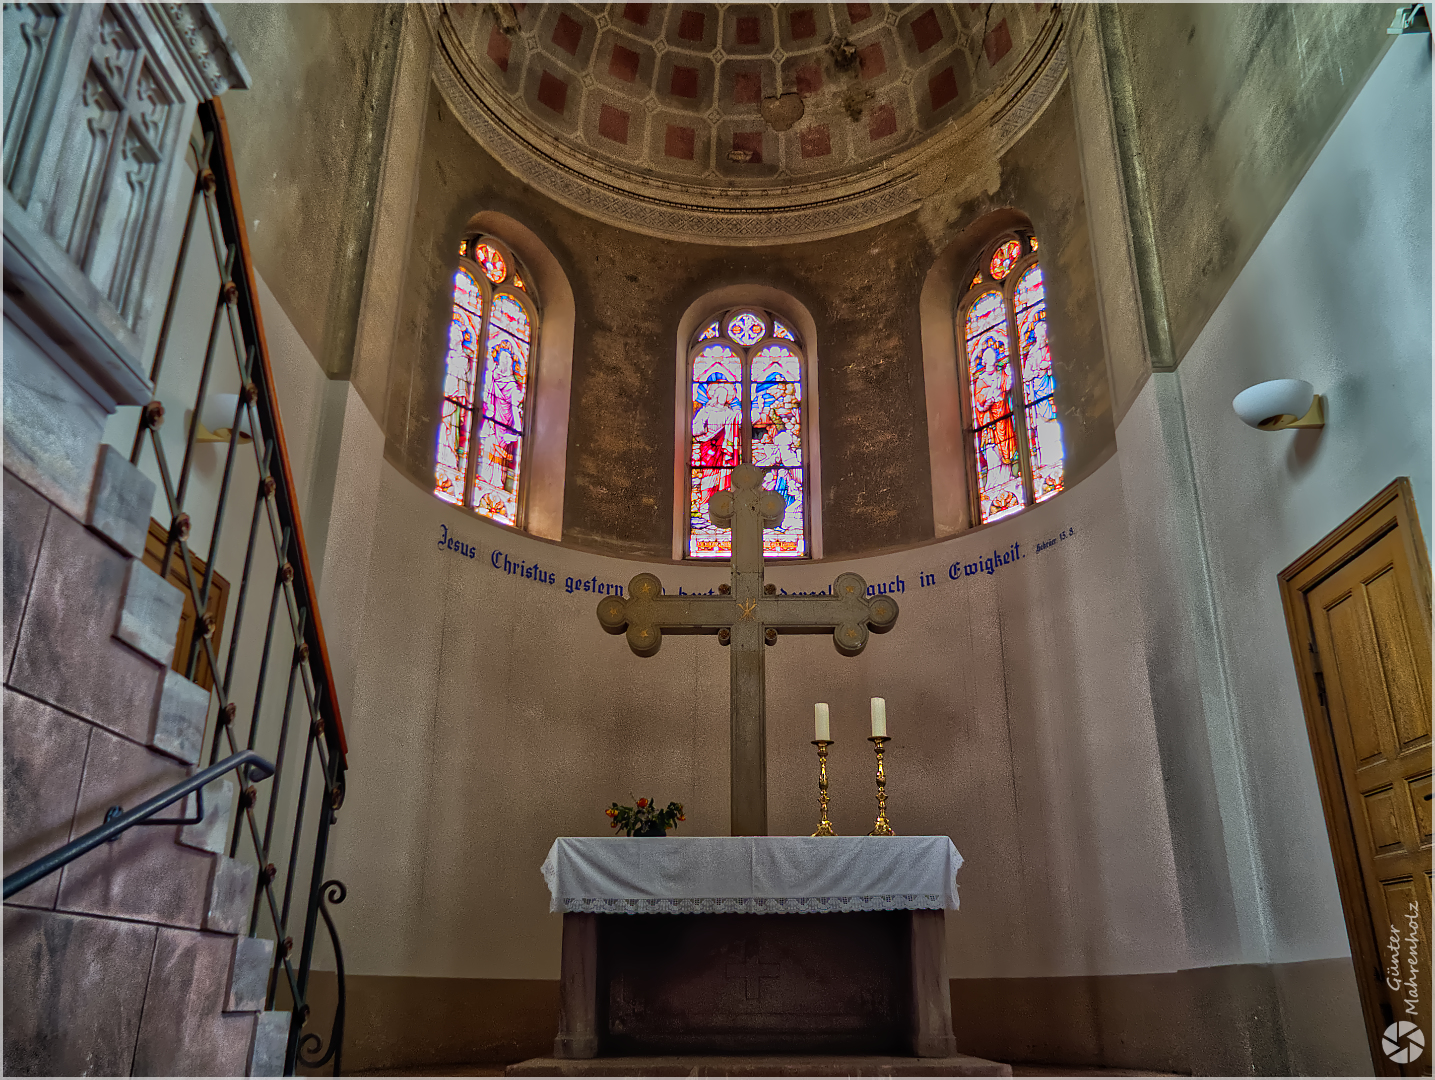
{"x": 645, "y": 819}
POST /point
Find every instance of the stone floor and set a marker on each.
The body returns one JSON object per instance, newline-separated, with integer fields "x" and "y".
{"x": 761, "y": 1065}
{"x": 1016, "y": 1070}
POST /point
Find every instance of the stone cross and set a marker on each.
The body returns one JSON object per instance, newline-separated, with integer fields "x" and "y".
{"x": 747, "y": 618}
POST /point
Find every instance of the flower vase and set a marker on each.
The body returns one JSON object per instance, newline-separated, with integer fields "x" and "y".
{"x": 651, "y": 829}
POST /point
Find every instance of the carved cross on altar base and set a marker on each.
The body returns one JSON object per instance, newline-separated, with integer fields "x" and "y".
{"x": 747, "y": 620}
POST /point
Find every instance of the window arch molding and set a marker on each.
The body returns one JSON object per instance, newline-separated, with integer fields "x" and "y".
{"x": 795, "y": 314}
{"x": 545, "y": 438}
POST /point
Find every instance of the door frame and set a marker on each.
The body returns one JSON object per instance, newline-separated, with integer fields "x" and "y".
{"x": 1391, "y": 510}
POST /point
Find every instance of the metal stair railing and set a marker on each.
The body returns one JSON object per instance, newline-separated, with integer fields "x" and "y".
{"x": 293, "y": 604}
{"x": 143, "y": 814}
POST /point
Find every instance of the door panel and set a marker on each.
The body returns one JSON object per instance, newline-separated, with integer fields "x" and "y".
{"x": 1358, "y": 606}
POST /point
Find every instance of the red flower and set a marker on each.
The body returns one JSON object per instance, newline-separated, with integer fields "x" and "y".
{"x": 642, "y": 803}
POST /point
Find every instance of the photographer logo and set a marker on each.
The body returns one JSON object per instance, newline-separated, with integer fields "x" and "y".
{"x": 1403, "y": 1042}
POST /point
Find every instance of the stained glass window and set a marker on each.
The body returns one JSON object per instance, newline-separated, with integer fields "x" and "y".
{"x": 1016, "y": 433}
{"x": 1004, "y": 258}
{"x": 746, "y": 404}
{"x": 479, "y": 458}
{"x": 494, "y": 267}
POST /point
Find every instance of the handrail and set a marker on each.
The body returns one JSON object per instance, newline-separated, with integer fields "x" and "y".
{"x": 259, "y": 769}
{"x": 212, "y": 122}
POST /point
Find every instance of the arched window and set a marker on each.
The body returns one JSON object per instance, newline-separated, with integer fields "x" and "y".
{"x": 750, "y": 357}
{"x": 1015, "y": 432}
{"x": 491, "y": 338}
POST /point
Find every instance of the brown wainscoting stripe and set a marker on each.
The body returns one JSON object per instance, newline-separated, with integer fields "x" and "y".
{"x": 1231, "y": 1020}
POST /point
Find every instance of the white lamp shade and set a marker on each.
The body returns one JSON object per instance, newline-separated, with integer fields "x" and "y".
{"x": 1278, "y": 398}
{"x": 218, "y": 413}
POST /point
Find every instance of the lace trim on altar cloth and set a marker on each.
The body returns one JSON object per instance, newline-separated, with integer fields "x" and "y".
{"x": 753, "y": 905}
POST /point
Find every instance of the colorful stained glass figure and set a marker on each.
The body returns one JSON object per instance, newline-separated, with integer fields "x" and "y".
{"x": 1038, "y": 386}
{"x": 976, "y": 280}
{"x": 776, "y": 422}
{"x": 746, "y": 401}
{"x": 999, "y": 478}
{"x": 746, "y": 329}
{"x": 495, "y": 484}
{"x": 716, "y": 423}
{"x": 1004, "y": 258}
{"x": 789, "y": 539}
{"x": 998, "y": 470}
{"x": 518, "y": 281}
{"x": 1033, "y": 243}
{"x": 463, "y": 249}
{"x": 494, "y": 266}
{"x": 1047, "y": 473}
{"x": 460, "y": 371}
{"x": 509, "y": 316}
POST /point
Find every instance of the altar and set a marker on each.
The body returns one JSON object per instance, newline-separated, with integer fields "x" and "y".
{"x": 750, "y": 945}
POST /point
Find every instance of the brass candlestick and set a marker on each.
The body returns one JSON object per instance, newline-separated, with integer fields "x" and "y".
{"x": 882, "y": 826}
{"x": 824, "y": 827}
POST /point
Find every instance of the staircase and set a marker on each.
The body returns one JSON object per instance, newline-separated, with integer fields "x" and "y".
{"x": 148, "y": 796}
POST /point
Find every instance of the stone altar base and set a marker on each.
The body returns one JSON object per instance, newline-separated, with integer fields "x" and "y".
{"x": 858, "y": 984}
{"x": 773, "y": 1065}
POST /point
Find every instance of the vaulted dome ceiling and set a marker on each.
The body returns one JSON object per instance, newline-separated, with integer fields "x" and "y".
{"x": 694, "y": 104}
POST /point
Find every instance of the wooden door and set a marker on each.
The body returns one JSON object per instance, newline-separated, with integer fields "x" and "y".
{"x": 1358, "y": 609}
{"x": 218, "y": 599}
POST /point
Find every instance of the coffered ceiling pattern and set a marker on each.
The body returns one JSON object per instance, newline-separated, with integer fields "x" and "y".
{"x": 745, "y": 94}
{"x": 739, "y": 122}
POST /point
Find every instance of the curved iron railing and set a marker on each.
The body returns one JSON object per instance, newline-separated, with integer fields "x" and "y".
{"x": 143, "y": 814}
{"x": 293, "y": 597}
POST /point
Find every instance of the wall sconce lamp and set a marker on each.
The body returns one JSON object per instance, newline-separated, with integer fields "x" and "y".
{"x": 1411, "y": 19}
{"x": 1280, "y": 404}
{"x": 217, "y": 415}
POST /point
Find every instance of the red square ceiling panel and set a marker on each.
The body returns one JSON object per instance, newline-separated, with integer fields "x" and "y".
{"x": 873, "y": 60}
{"x": 746, "y": 88}
{"x": 998, "y": 43}
{"x": 684, "y": 82}
{"x": 553, "y": 92}
{"x": 498, "y": 48}
{"x": 678, "y": 142}
{"x": 748, "y": 30}
{"x": 692, "y": 25}
{"x": 881, "y": 122}
{"x": 749, "y": 145}
{"x": 623, "y": 64}
{"x": 567, "y": 34}
{"x": 926, "y": 31}
{"x": 803, "y": 24}
{"x": 613, "y": 124}
{"x": 943, "y": 88}
{"x": 816, "y": 142}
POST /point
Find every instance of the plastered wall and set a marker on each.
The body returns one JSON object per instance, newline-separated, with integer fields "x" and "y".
{"x": 1337, "y": 293}
{"x": 491, "y": 713}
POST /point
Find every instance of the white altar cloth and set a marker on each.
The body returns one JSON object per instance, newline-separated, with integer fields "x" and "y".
{"x": 673, "y": 875}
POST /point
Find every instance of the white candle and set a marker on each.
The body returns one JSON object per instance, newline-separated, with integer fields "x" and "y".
{"x": 823, "y": 722}
{"x": 879, "y": 717}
